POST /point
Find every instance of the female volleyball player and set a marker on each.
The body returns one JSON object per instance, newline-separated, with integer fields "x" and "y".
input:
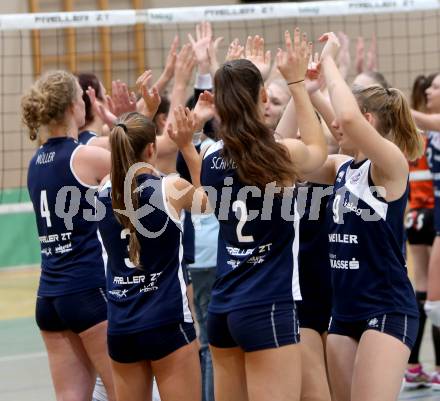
{"x": 419, "y": 224}
{"x": 92, "y": 131}
{"x": 71, "y": 309}
{"x": 314, "y": 309}
{"x": 150, "y": 330}
{"x": 252, "y": 323}
{"x": 374, "y": 313}
{"x": 431, "y": 123}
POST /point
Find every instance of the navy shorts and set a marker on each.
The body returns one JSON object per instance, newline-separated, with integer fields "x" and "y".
{"x": 419, "y": 224}
{"x": 76, "y": 312}
{"x": 437, "y": 214}
{"x": 400, "y": 326}
{"x": 313, "y": 316}
{"x": 150, "y": 345}
{"x": 255, "y": 328}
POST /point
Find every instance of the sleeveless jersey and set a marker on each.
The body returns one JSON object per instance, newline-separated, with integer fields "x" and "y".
{"x": 258, "y": 239}
{"x": 71, "y": 254}
{"x": 84, "y": 137}
{"x": 433, "y": 158}
{"x": 155, "y": 294}
{"x": 188, "y": 226}
{"x": 421, "y": 190}
{"x": 369, "y": 274}
{"x": 314, "y": 266}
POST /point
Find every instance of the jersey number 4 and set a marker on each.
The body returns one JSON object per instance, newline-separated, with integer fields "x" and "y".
{"x": 44, "y": 208}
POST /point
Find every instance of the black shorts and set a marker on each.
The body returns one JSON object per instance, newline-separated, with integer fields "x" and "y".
{"x": 313, "y": 316}
{"x": 419, "y": 225}
{"x": 76, "y": 312}
{"x": 398, "y": 325}
{"x": 150, "y": 345}
{"x": 254, "y": 328}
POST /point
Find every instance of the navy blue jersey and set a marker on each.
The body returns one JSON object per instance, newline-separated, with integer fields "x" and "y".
{"x": 433, "y": 158}
{"x": 369, "y": 274}
{"x": 71, "y": 253}
{"x": 84, "y": 137}
{"x": 188, "y": 226}
{"x": 258, "y": 242}
{"x": 155, "y": 294}
{"x": 314, "y": 265}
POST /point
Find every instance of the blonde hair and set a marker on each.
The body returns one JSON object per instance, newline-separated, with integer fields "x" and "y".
{"x": 393, "y": 117}
{"x": 47, "y": 100}
{"x": 128, "y": 140}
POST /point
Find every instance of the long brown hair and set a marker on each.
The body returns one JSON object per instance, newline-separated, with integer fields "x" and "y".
{"x": 47, "y": 101}
{"x": 85, "y": 80}
{"x": 248, "y": 142}
{"x": 393, "y": 117}
{"x": 418, "y": 93}
{"x": 127, "y": 142}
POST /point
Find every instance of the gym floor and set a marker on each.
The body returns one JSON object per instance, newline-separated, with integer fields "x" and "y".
{"x": 24, "y": 371}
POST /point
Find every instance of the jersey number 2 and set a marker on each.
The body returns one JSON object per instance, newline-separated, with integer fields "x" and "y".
{"x": 238, "y": 204}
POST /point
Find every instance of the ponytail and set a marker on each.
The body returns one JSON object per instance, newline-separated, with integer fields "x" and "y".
{"x": 122, "y": 158}
{"x": 405, "y": 133}
{"x": 393, "y": 117}
{"x": 128, "y": 140}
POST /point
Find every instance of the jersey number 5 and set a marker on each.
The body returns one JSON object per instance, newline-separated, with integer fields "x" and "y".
{"x": 238, "y": 204}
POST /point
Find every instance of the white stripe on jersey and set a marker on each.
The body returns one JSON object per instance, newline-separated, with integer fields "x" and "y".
{"x": 213, "y": 148}
{"x": 296, "y": 291}
{"x": 165, "y": 204}
{"x": 187, "y": 316}
{"x": 356, "y": 181}
{"x": 73, "y": 171}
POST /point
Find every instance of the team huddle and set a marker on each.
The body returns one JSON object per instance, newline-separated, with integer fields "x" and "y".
{"x": 286, "y": 217}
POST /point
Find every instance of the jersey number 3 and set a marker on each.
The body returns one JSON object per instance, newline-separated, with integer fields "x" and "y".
{"x": 124, "y": 234}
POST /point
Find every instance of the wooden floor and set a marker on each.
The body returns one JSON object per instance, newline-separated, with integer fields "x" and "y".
{"x": 24, "y": 371}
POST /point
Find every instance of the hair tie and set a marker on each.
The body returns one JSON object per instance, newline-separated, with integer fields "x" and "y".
{"x": 123, "y": 126}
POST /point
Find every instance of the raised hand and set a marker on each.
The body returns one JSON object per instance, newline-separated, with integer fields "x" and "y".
{"x": 294, "y": 60}
{"x": 212, "y": 54}
{"x": 181, "y": 132}
{"x": 360, "y": 54}
{"x": 170, "y": 64}
{"x": 332, "y": 46}
{"x": 204, "y": 109}
{"x": 185, "y": 63}
{"x": 151, "y": 99}
{"x": 372, "y": 54}
{"x": 201, "y": 45}
{"x": 99, "y": 109}
{"x": 314, "y": 79}
{"x": 344, "y": 58}
{"x": 122, "y": 100}
{"x": 254, "y": 51}
{"x": 235, "y": 50}
{"x": 171, "y": 59}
